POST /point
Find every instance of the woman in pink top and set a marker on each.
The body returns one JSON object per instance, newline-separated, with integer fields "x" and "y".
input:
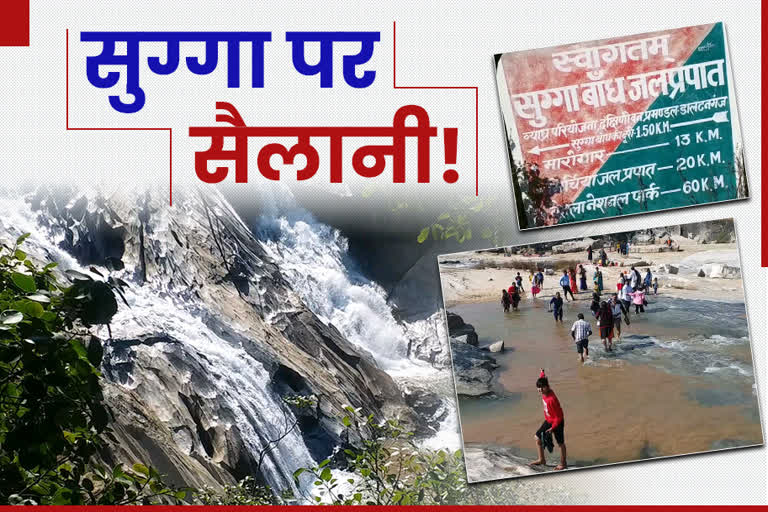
{"x": 638, "y": 299}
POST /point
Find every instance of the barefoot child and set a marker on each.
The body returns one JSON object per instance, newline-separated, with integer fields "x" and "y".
{"x": 554, "y": 422}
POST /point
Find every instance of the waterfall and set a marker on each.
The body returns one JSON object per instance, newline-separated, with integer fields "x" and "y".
{"x": 313, "y": 257}
{"x": 234, "y": 380}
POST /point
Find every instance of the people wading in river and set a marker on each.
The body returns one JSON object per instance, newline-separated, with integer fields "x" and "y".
{"x": 605, "y": 322}
{"x": 514, "y": 297}
{"x": 554, "y": 424}
{"x": 638, "y": 299}
{"x": 619, "y": 311}
{"x": 556, "y": 306}
{"x": 595, "y": 306}
{"x": 580, "y": 332}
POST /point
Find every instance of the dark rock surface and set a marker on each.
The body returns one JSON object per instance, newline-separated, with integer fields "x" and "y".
{"x": 472, "y": 369}
{"x": 461, "y": 331}
{"x": 167, "y": 406}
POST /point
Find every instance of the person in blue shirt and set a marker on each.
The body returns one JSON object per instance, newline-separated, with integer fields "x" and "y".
{"x": 648, "y": 279}
{"x": 565, "y": 282}
{"x": 557, "y": 306}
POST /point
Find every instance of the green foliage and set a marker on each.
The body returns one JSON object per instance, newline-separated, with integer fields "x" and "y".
{"x": 245, "y": 492}
{"x": 301, "y": 401}
{"x": 457, "y": 223}
{"x": 52, "y": 419}
{"x": 389, "y": 469}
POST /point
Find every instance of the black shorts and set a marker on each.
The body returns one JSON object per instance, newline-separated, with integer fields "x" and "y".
{"x": 559, "y": 432}
{"x": 582, "y": 345}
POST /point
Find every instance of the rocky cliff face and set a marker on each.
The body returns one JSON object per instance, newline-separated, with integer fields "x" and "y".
{"x": 213, "y": 338}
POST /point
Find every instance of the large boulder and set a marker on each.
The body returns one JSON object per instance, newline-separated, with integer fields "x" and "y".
{"x": 667, "y": 268}
{"x": 470, "y": 338}
{"x": 720, "y": 231}
{"x": 462, "y": 332}
{"x": 643, "y": 239}
{"x": 574, "y": 246}
{"x": 486, "y": 463}
{"x": 472, "y": 369}
{"x": 722, "y": 271}
{"x": 196, "y": 384}
{"x": 454, "y": 321}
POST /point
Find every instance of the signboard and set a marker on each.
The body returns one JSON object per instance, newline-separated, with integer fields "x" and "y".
{"x": 621, "y": 126}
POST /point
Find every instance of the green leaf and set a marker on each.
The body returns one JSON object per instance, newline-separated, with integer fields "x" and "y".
{"x": 29, "y": 308}
{"x": 346, "y": 421}
{"x": 24, "y": 282}
{"x": 51, "y": 265}
{"x": 10, "y": 317}
{"x": 180, "y": 495}
{"x": 141, "y": 469}
{"x": 423, "y": 235}
{"x": 20, "y": 255}
{"x": 326, "y": 475}
{"x": 297, "y": 474}
{"x": 21, "y": 239}
{"x": 324, "y": 463}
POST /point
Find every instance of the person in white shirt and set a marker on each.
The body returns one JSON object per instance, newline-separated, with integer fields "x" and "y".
{"x": 625, "y": 297}
{"x": 580, "y": 332}
{"x": 618, "y": 310}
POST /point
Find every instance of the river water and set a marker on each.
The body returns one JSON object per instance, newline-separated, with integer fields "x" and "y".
{"x": 680, "y": 381}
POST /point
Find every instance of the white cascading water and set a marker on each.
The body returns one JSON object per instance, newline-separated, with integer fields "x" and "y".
{"x": 312, "y": 256}
{"x": 241, "y": 382}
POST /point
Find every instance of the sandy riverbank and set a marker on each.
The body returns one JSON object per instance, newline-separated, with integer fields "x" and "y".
{"x": 479, "y": 277}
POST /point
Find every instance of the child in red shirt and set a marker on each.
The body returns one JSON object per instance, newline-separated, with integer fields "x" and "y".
{"x": 554, "y": 422}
